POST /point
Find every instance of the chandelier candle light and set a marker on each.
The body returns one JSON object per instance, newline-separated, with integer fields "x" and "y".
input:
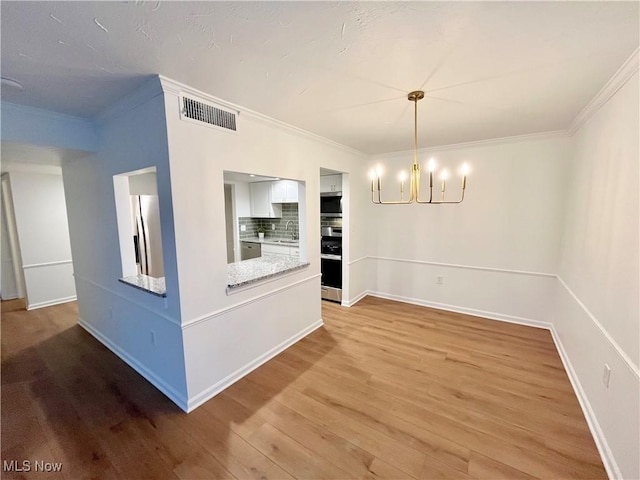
{"x": 414, "y": 178}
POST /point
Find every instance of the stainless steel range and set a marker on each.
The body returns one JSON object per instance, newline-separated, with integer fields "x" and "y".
{"x": 331, "y": 263}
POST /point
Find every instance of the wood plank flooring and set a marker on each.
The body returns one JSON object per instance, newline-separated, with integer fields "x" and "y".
{"x": 384, "y": 390}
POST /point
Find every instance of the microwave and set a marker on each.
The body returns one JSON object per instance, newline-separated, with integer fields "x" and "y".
{"x": 331, "y": 204}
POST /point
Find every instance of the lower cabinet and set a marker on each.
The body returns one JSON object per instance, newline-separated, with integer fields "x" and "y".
{"x": 280, "y": 250}
{"x": 249, "y": 250}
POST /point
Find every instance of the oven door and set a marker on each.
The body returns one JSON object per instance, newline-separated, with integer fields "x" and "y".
{"x": 331, "y": 268}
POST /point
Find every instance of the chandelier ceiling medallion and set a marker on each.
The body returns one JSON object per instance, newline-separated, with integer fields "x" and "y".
{"x": 414, "y": 179}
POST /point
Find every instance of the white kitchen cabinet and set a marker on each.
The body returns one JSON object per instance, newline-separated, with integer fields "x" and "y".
{"x": 261, "y": 204}
{"x": 288, "y": 250}
{"x": 242, "y": 199}
{"x": 284, "y": 191}
{"x": 275, "y": 249}
{"x": 331, "y": 183}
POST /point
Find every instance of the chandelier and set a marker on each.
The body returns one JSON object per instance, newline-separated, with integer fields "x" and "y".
{"x": 414, "y": 179}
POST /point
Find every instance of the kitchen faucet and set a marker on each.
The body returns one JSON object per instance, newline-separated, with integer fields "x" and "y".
{"x": 286, "y": 227}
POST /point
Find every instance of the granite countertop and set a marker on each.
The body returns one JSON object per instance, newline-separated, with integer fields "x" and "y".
{"x": 146, "y": 283}
{"x": 273, "y": 241}
{"x": 250, "y": 271}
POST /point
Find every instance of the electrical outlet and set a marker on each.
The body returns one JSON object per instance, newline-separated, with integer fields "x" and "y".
{"x": 606, "y": 375}
{"x": 243, "y": 228}
{"x": 273, "y": 226}
{"x": 153, "y": 337}
{"x": 439, "y": 280}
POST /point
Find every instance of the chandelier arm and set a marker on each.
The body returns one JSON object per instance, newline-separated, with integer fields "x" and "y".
{"x": 449, "y": 201}
{"x": 391, "y": 202}
{"x": 396, "y": 202}
{"x": 430, "y": 197}
{"x": 438, "y": 202}
{"x": 415, "y": 131}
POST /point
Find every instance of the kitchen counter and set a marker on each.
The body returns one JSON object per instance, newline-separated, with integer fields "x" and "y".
{"x": 247, "y": 272}
{"x": 273, "y": 241}
{"x": 146, "y": 283}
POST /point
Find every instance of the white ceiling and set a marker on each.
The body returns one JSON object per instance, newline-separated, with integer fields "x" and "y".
{"x": 338, "y": 69}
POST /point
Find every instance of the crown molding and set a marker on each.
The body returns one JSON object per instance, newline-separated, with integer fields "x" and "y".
{"x": 148, "y": 90}
{"x": 305, "y": 133}
{"x": 176, "y": 88}
{"x": 13, "y": 108}
{"x": 476, "y": 143}
{"x": 21, "y": 167}
{"x": 622, "y": 76}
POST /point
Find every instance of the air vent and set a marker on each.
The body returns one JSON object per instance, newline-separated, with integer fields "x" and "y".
{"x": 202, "y": 112}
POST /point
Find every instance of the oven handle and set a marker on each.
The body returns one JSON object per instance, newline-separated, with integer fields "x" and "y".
{"x": 328, "y": 256}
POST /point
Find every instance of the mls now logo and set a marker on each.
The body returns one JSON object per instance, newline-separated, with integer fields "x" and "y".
{"x": 28, "y": 466}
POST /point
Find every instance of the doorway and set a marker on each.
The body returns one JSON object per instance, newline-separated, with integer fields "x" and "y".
{"x": 334, "y": 231}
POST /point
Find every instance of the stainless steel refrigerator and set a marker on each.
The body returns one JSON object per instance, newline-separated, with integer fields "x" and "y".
{"x": 147, "y": 236}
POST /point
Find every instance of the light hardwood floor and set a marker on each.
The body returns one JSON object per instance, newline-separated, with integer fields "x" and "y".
{"x": 384, "y": 390}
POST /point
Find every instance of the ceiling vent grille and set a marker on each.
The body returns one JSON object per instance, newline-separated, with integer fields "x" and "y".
{"x": 205, "y": 113}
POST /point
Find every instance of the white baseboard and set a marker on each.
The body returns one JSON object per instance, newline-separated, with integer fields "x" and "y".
{"x": 154, "y": 379}
{"x": 356, "y": 299}
{"x": 212, "y": 391}
{"x": 600, "y": 440}
{"x": 50, "y": 303}
{"x": 467, "y": 311}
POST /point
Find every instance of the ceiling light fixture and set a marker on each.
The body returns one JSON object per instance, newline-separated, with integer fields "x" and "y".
{"x": 414, "y": 178}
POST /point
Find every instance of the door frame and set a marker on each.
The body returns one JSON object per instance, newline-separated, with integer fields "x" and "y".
{"x": 12, "y": 230}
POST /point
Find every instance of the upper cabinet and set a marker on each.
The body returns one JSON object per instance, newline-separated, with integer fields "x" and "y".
{"x": 331, "y": 183}
{"x": 284, "y": 191}
{"x": 267, "y": 197}
{"x": 261, "y": 203}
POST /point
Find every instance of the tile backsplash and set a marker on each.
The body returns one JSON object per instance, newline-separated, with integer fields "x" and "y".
{"x": 289, "y": 214}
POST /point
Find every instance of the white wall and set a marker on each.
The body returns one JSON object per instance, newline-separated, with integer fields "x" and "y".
{"x": 227, "y": 335}
{"x": 34, "y": 126}
{"x": 142, "y": 328}
{"x": 43, "y": 237}
{"x": 598, "y": 319}
{"x": 497, "y": 251}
